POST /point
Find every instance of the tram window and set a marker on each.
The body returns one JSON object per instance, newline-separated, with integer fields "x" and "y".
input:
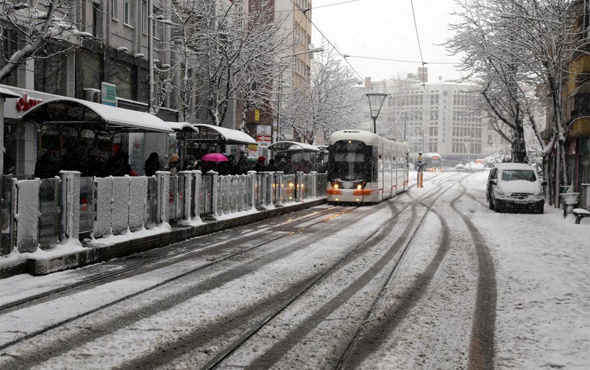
{"x": 349, "y": 157}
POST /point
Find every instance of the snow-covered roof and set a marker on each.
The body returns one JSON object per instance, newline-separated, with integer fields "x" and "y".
{"x": 221, "y": 134}
{"x": 182, "y": 126}
{"x": 5, "y": 93}
{"x": 70, "y": 112}
{"x": 288, "y": 146}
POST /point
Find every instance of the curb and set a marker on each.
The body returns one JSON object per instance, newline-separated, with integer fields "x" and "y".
{"x": 95, "y": 255}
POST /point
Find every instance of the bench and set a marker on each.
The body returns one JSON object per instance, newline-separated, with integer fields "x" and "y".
{"x": 580, "y": 213}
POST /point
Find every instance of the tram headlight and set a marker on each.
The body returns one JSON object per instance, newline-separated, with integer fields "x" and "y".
{"x": 360, "y": 185}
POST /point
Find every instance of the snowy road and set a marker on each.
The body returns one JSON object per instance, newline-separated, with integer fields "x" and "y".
{"x": 430, "y": 279}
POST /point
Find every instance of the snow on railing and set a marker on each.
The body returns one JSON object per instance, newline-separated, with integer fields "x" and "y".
{"x": 45, "y": 212}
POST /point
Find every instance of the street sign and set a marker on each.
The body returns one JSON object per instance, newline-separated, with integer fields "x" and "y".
{"x": 264, "y": 138}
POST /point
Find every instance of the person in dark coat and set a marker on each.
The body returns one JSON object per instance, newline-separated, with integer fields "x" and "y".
{"x": 242, "y": 166}
{"x": 152, "y": 164}
{"x": 271, "y": 166}
{"x": 118, "y": 165}
{"x": 75, "y": 158}
{"x": 96, "y": 163}
{"x": 260, "y": 166}
{"x": 48, "y": 165}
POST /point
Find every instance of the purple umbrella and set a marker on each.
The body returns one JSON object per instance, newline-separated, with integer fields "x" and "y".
{"x": 214, "y": 157}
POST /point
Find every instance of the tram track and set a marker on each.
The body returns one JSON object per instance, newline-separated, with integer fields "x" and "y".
{"x": 279, "y": 349}
{"x": 481, "y": 342}
{"x": 249, "y": 320}
{"x": 372, "y": 332}
{"x": 78, "y": 339}
{"x": 145, "y": 264}
{"x": 229, "y": 275}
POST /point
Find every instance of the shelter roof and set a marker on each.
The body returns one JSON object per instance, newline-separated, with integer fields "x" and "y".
{"x": 70, "y": 112}
{"x": 210, "y": 133}
{"x": 182, "y": 126}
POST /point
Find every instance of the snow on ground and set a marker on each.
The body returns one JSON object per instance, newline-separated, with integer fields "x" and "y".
{"x": 542, "y": 267}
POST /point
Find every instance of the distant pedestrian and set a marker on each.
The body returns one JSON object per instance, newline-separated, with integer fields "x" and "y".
{"x": 173, "y": 165}
{"x": 271, "y": 166}
{"x": 152, "y": 164}
{"x": 118, "y": 165}
{"x": 48, "y": 165}
{"x": 260, "y": 166}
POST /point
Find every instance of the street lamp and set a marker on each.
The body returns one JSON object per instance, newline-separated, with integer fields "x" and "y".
{"x": 280, "y": 87}
{"x": 375, "y": 103}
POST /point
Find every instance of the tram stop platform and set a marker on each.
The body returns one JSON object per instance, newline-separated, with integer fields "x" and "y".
{"x": 43, "y": 262}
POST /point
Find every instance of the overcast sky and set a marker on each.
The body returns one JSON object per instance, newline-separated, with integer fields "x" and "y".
{"x": 385, "y": 29}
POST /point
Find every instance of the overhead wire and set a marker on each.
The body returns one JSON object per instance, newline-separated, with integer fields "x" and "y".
{"x": 419, "y": 45}
{"x": 327, "y": 40}
{"x": 396, "y": 60}
{"x": 346, "y": 56}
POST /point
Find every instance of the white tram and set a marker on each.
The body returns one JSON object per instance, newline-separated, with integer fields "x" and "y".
{"x": 365, "y": 168}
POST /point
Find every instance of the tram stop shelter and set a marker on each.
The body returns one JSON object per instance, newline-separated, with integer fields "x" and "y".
{"x": 210, "y": 138}
{"x": 297, "y": 152}
{"x": 63, "y": 121}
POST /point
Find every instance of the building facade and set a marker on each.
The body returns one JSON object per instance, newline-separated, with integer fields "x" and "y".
{"x": 436, "y": 117}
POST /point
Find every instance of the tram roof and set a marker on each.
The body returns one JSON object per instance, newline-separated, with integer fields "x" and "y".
{"x": 292, "y": 146}
{"x": 362, "y": 135}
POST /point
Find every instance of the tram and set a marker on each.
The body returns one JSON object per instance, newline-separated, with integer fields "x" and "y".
{"x": 365, "y": 168}
{"x": 432, "y": 162}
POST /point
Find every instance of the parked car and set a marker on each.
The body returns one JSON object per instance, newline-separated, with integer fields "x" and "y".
{"x": 514, "y": 186}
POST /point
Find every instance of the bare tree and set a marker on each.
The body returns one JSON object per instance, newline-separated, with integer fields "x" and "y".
{"x": 222, "y": 53}
{"x": 31, "y": 28}
{"x": 332, "y": 102}
{"x": 515, "y": 48}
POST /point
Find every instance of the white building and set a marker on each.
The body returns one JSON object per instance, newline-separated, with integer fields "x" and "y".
{"x": 437, "y": 117}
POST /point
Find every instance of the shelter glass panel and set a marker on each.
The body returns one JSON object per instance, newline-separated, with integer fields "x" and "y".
{"x": 86, "y": 204}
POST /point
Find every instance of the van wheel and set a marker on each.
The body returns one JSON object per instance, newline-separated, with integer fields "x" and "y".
{"x": 498, "y": 207}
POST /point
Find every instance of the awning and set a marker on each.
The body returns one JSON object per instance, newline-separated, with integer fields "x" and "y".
{"x": 5, "y": 93}
{"x": 77, "y": 113}
{"x": 216, "y": 134}
{"x": 292, "y": 146}
{"x": 182, "y": 126}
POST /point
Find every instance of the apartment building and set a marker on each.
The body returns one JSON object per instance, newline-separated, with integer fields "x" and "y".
{"x": 436, "y": 117}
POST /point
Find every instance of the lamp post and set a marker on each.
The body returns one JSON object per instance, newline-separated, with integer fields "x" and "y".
{"x": 375, "y": 103}
{"x": 280, "y": 87}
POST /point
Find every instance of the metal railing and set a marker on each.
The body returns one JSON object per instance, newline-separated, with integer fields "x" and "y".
{"x": 37, "y": 213}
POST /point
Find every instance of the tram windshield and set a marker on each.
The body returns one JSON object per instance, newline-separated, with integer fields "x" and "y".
{"x": 349, "y": 160}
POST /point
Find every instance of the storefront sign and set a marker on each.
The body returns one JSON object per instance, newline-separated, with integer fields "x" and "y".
{"x": 109, "y": 94}
{"x": 23, "y": 104}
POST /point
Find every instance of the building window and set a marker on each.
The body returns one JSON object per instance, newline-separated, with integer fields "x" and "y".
{"x": 126, "y": 12}
{"x": 89, "y": 72}
{"x": 48, "y": 78}
{"x": 158, "y": 26}
{"x": 144, "y": 17}
{"x": 114, "y": 14}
